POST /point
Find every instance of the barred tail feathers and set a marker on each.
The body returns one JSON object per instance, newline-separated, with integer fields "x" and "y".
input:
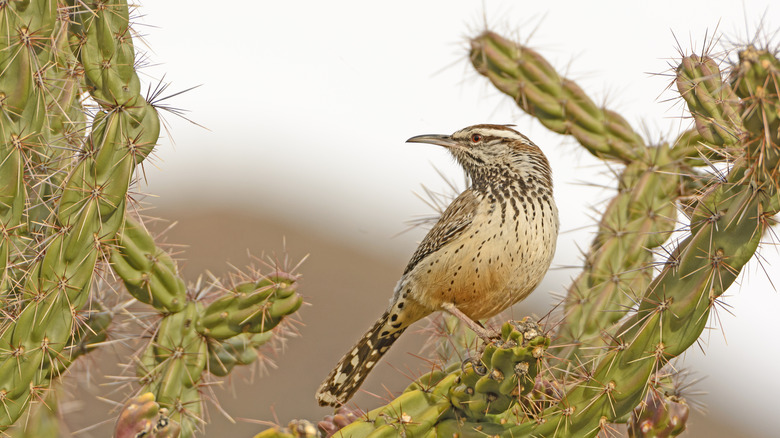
{"x": 344, "y": 381}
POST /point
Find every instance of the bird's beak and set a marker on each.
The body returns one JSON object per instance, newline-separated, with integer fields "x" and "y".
{"x": 440, "y": 140}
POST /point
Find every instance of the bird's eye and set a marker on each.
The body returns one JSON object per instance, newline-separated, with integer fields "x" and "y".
{"x": 476, "y": 138}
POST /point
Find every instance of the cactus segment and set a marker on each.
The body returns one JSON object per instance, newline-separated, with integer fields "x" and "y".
{"x": 171, "y": 367}
{"x": 467, "y": 399}
{"x": 77, "y": 203}
{"x": 713, "y": 104}
{"x": 239, "y": 350}
{"x": 726, "y": 226}
{"x": 619, "y": 264}
{"x": 253, "y": 307}
{"x": 559, "y": 104}
{"x": 149, "y": 273}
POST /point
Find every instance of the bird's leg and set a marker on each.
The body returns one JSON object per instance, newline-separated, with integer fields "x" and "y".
{"x": 485, "y": 334}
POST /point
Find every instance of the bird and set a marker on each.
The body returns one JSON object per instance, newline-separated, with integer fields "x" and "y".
{"x": 490, "y": 248}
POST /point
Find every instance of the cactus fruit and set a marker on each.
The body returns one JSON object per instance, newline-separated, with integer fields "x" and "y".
{"x": 343, "y": 417}
{"x": 142, "y": 416}
{"x": 658, "y": 416}
{"x": 295, "y": 429}
{"x": 203, "y": 338}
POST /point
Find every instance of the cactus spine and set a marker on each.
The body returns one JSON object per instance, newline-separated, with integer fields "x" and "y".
{"x": 51, "y": 287}
{"x": 74, "y": 127}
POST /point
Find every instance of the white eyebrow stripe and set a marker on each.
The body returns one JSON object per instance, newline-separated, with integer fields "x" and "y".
{"x": 505, "y": 133}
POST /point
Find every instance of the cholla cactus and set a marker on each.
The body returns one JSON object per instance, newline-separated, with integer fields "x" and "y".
{"x": 626, "y": 315}
{"x": 74, "y": 127}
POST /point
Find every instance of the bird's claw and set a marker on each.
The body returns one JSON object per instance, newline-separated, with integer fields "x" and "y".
{"x": 476, "y": 365}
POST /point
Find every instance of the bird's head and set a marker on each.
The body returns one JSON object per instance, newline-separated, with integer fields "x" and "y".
{"x": 492, "y": 153}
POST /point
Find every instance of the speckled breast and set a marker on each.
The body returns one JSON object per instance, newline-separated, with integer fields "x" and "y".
{"x": 498, "y": 260}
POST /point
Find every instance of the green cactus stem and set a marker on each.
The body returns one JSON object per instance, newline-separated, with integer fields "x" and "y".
{"x": 239, "y": 350}
{"x": 204, "y": 337}
{"x": 714, "y": 105}
{"x": 559, "y": 104}
{"x": 253, "y": 307}
{"x": 74, "y": 127}
{"x": 463, "y": 398}
{"x": 726, "y": 227}
{"x": 76, "y": 204}
{"x": 148, "y": 272}
{"x": 619, "y": 264}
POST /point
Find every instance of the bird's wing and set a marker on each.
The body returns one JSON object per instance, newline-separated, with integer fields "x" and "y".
{"x": 452, "y": 223}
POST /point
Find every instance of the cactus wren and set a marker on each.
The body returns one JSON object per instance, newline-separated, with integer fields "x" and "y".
{"x": 490, "y": 248}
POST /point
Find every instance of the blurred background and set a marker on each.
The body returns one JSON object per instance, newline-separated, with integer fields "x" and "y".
{"x": 302, "y": 111}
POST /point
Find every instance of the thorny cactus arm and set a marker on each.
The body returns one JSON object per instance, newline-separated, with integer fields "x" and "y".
{"x": 641, "y": 217}
{"x": 171, "y": 367}
{"x": 173, "y": 364}
{"x": 65, "y": 169}
{"x": 60, "y": 81}
{"x": 725, "y": 231}
{"x": 54, "y": 288}
{"x": 460, "y": 400}
{"x": 193, "y": 337}
{"x": 560, "y": 104}
{"x": 43, "y": 418}
{"x": 148, "y": 272}
{"x": 618, "y": 264}
{"x": 253, "y": 307}
{"x": 713, "y": 104}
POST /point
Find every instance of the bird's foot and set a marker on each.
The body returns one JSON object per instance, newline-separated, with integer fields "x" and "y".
{"x": 479, "y": 368}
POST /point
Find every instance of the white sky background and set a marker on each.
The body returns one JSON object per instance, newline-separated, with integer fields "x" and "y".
{"x": 308, "y": 105}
